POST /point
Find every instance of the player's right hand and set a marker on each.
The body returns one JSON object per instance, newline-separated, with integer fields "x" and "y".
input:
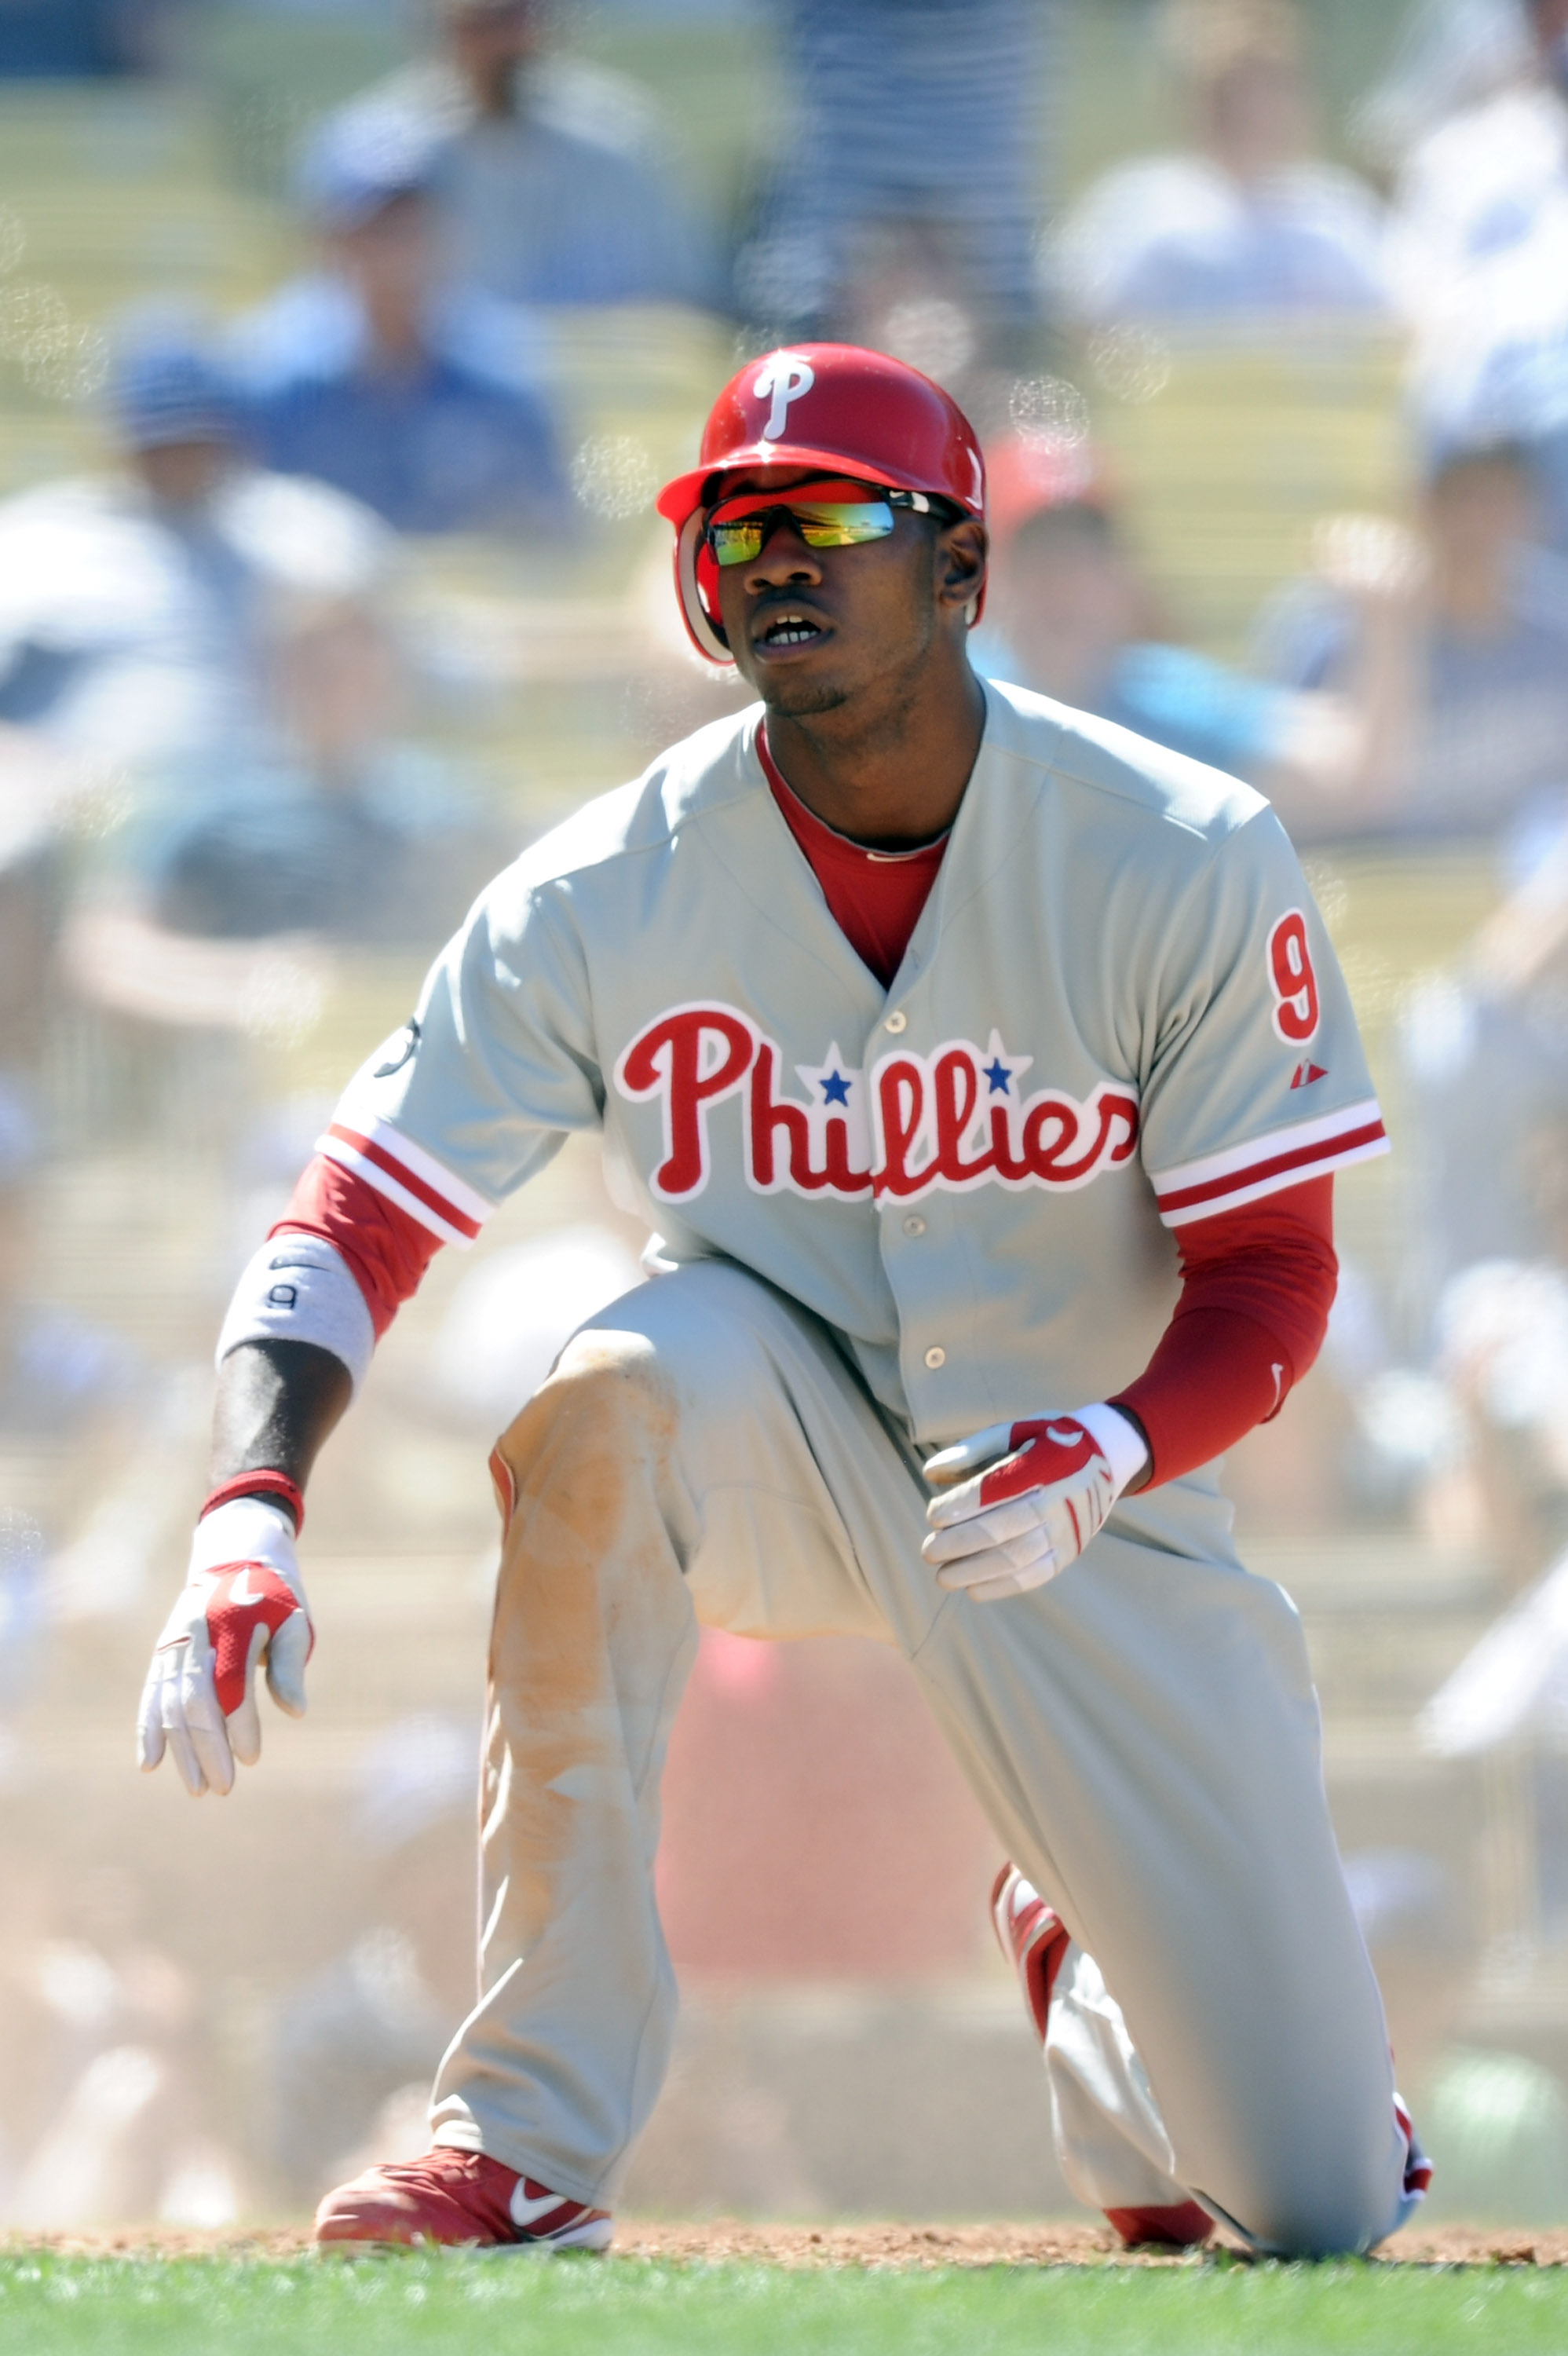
{"x": 242, "y": 1604}
{"x": 1019, "y": 1502}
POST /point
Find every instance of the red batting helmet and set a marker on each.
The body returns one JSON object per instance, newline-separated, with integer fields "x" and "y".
{"x": 834, "y": 407}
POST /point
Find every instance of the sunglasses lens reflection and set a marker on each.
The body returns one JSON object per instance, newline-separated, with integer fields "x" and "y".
{"x": 738, "y": 541}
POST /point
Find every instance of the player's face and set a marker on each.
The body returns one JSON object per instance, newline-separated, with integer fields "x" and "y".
{"x": 810, "y": 627}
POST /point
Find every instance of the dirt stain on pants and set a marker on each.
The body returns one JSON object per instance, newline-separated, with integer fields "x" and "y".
{"x": 592, "y": 1639}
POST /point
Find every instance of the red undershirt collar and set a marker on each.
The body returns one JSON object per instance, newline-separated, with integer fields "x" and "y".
{"x": 790, "y": 802}
{"x": 875, "y": 898}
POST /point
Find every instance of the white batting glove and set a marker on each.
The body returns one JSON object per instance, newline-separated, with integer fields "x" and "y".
{"x": 1050, "y": 1485}
{"x": 242, "y": 1604}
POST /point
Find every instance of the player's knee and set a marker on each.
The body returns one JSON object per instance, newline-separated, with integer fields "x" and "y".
{"x": 594, "y": 1542}
{"x": 608, "y": 1402}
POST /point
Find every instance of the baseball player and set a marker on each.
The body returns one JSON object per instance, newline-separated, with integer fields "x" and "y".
{"x": 903, "y": 1002}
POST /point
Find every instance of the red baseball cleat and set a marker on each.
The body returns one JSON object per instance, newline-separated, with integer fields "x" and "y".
{"x": 462, "y": 2200}
{"x": 1184, "y": 2226}
{"x": 1034, "y": 1939}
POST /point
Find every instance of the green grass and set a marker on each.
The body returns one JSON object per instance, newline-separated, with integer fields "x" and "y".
{"x": 629, "y": 2307}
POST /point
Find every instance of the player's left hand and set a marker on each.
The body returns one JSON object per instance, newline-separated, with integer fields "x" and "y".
{"x": 1049, "y": 1486}
{"x": 243, "y": 1606}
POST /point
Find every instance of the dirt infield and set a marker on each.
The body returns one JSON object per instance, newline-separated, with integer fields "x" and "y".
{"x": 906, "y": 2247}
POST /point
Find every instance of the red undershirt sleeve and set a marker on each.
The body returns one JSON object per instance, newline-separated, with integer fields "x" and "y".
{"x": 387, "y": 1249}
{"x": 1257, "y": 1286}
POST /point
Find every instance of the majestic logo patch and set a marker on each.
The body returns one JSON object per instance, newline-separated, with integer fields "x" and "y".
{"x": 787, "y": 376}
{"x": 954, "y": 1120}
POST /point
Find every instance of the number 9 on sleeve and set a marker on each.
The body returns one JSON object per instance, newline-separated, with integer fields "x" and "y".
{"x": 1292, "y": 979}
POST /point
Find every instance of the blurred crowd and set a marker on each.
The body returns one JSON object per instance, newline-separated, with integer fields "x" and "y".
{"x": 230, "y": 767}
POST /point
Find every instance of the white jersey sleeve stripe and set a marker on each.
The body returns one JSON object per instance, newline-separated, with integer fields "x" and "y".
{"x": 1182, "y": 1175}
{"x": 1332, "y": 1159}
{"x": 1268, "y": 1164}
{"x": 369, "y": 1158}
{"x": 413, "y": 1164}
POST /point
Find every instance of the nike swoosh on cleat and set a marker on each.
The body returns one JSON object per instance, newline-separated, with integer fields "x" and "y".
{"x": 527, "y": 2212}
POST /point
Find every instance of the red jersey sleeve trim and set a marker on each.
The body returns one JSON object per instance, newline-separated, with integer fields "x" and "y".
{"x": 387, "y": 1249}
{"x": 406, "y": 1175}
{"x": 1268, "y": 1165}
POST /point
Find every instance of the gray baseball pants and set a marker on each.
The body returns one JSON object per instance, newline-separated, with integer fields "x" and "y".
{"x": 1142, "y": 1733}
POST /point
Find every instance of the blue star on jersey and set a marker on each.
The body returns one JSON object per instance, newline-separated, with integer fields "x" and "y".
{"x": 912, "y": 1122}
{"x": 1003, "y": 1069}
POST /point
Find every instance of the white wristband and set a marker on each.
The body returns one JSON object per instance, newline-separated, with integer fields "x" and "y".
{"x": 1116, "y": 1438}
{"x": 300, "y": 1289}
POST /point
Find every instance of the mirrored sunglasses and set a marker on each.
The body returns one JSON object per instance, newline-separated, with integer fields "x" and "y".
{"x": 826, "y": 515}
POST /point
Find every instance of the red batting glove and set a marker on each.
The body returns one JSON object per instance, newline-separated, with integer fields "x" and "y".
{"x": 242, "y": 1604}
{"x": 1002, "y": 1531}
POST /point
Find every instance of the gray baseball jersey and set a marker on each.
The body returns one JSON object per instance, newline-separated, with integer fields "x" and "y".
{"x": 1119, "y": 998}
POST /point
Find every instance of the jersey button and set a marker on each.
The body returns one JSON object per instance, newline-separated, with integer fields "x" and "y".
{"x": 897, "y": 1021}
{"x": 914, "y": 1224}
{"x": 935, "y": 1356}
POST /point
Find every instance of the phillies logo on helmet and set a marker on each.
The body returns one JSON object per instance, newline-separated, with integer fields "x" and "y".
{"x": 785, "y": 375}
{"x": 872, "y": 417}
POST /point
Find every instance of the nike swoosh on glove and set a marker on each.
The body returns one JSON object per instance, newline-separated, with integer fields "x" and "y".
{"x": 242, "y": 1604}
{"x": 1050, "y": 1484}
